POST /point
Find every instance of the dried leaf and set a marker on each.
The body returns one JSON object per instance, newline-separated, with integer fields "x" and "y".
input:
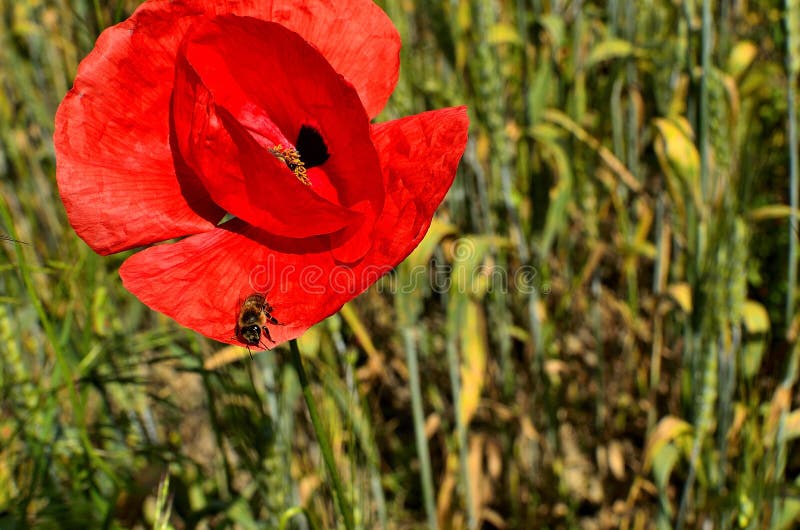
{"x": 503, "y": 34}
{"x": 679, "y": 159}
{"x": 608, "y": 50}
{"x": 681, "y": 292}
{"x": 669, "y": 428}
{"x": 772, "y": 211}
{"x": 755, "y": 317}
{"x": 616, "y": 459}
{"x": 741, "y": 57}
{"x": 473, "y": 360}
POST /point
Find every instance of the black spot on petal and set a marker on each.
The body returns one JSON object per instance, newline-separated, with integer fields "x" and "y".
{"x": 311, "y": 146}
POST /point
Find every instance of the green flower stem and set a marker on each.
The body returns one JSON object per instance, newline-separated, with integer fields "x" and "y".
{"x": 419, "y": 427}
{"x": 322, "y": 437}
{"x": 792, "y": 67}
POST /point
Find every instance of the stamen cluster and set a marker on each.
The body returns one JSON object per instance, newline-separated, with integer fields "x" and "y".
{"x": 292, "y": 159}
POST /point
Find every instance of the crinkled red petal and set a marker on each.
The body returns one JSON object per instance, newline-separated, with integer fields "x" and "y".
{"x": 291, "y": 86}
{"x": 355, "y": 36}
{"x": 115, "y": 169}
{"x": 242, "y": 176}
{"x": 119, "y": 183}
{"x": 419, "y": 155}
{"x": 202, "y": 280}
{"x": 262, "y": 72}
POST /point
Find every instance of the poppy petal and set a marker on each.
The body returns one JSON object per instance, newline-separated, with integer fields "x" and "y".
{"x": 241, "y": 176}
{"x": 356, "y": 37}
{"x": 200, "y": 281}
{"x": 115, "y": 170}
{"x": 292, "y": 87}
{"x": 419, "y": 156}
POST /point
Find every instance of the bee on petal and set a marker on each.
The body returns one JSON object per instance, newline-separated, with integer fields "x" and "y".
{"x": 251, "y": 324}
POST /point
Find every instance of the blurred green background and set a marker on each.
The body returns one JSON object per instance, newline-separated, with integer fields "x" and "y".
{"x": 606, "y": 335}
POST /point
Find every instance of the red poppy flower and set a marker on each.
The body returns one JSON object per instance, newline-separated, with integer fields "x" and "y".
{"x": 243, "y": 128}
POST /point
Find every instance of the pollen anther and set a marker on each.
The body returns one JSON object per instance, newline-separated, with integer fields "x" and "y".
{"x": 291, "y": 158}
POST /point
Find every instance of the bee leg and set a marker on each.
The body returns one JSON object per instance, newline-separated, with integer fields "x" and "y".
{"x": 263, "y": 342}
{"x": 267, "y": 335}
{"x": 272, "y": 320}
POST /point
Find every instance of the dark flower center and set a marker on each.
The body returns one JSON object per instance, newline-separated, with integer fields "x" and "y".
{"x": 312, "y": 148}
{"x": 309, "y": 151}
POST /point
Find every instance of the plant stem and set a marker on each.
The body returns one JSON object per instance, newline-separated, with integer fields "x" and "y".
{"x": 454, "y": 317}
{"x": 322, "y": 437}
{"x": 792, "y": 66}
{"x": 419, "y": 427}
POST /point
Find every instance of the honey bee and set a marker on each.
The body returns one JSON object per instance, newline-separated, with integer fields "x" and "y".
{"x": 254, "y": 316}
